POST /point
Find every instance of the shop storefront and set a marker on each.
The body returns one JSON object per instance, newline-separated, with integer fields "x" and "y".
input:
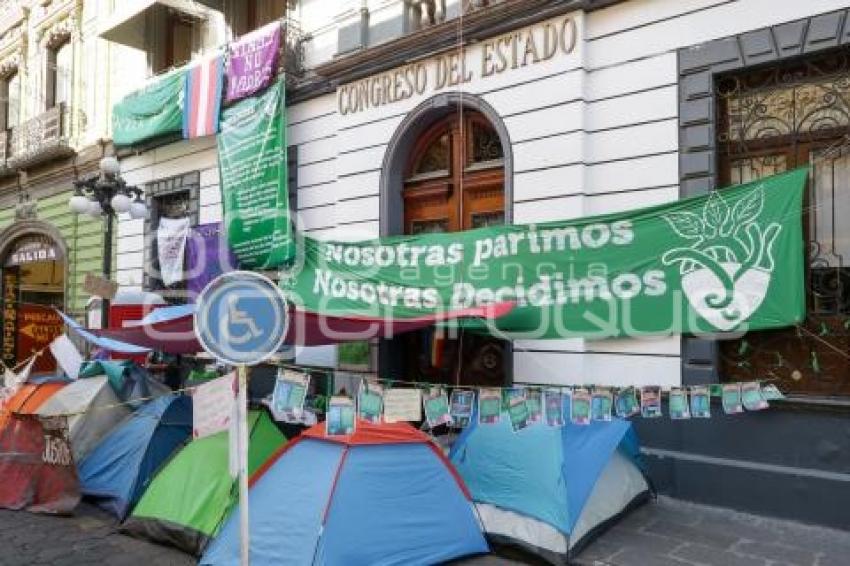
{"x": 45, "y": 254}
{"x": 33, "y": 286}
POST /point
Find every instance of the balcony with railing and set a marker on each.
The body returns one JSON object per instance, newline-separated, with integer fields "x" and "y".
{"x": 44, "y": 137}
{"x": 421, "y": 14}
{"x": 292, "y": 55}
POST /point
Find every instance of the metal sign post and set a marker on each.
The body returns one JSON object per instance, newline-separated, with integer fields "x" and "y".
{"x": 241, "y": 319}
{"x": 242, "y": 444}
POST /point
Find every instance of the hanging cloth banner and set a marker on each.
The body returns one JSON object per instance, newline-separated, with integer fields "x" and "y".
{"x": 207, "y": 257}
{"x": 252, "y": 160}
{"x": 204, "y": 85}
{"x": 728, "y": 261}
{"x": 252, "y": 62}
{"x": 171, "y": 248}
{"x": 153, "y": 111}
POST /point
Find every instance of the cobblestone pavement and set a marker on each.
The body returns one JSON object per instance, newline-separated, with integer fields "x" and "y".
{"x": 88, "y": 538}
{"x": 663, "y": 533}
{"x": 675, "y": 533}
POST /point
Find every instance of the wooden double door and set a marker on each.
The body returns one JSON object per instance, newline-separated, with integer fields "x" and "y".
{"x": 454, "y": 181}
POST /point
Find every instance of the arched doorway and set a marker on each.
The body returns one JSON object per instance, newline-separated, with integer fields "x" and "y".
{"x": 455, "y": 177}
{"x": 33, "y": 286}
{"x": 452, "y": 179}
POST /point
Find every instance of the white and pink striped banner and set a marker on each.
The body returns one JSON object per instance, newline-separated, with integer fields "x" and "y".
{"x": 202, "y": 102}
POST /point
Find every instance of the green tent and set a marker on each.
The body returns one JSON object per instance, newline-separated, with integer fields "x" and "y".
{"x": 189, "y": 498}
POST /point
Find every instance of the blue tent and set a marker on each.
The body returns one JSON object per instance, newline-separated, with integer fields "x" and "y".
{"x": 117, "y": 471}
{"x": 384, "y": 495}
{"x": 550, "y": 489}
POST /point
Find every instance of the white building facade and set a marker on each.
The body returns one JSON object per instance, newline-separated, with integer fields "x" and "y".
{"x": 407, "y": 117}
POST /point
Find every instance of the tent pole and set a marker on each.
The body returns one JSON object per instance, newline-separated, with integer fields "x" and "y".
{"x": 242, "y": 445}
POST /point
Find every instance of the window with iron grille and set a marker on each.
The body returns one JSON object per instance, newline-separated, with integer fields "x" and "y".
{"x": 770, "y": 120}
{"x": 174, "y": 197}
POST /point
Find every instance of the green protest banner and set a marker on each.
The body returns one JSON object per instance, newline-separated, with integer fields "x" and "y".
{"x": 252, "y": 162}
{"x": 728, "y": 261}
{"x": 150, "y": 112}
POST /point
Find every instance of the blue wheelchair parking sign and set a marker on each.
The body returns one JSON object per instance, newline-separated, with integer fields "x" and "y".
{"x": 241, "y": 318}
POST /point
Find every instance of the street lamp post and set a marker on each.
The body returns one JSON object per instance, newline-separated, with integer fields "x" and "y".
{"x": 107, "y": 194}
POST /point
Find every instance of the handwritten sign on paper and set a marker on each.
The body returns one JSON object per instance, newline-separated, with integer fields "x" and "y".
{"x": 402, "y": 405}
{"x": 212, "y": 406}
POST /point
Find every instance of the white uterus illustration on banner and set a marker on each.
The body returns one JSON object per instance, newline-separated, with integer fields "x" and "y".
{"x": 726, "y": 271}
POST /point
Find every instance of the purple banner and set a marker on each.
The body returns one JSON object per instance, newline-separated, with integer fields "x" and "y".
{"x": 207, "y": 257}
{"x": 252, "y": 64}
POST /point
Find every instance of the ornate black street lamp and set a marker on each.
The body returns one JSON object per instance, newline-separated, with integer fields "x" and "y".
{"x": 107, "y": 194}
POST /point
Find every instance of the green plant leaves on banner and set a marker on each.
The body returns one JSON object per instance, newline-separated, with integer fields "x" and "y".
{"x": 728, "y": 261}
{"x": 150, "y": 112}
{"x": 252, "y": 162}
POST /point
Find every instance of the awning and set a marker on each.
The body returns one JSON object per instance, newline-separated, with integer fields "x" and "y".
{"x": 171, "y": 329}
{"x": 126, "y": 25}
{"x": 101, "y": 341}
{"x": 163, "y": 314}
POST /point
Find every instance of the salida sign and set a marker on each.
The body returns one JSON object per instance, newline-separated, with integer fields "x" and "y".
{"x": 698, "y": 265}
{"x": 33, "y": 249}
{"x": 529, "y": 46}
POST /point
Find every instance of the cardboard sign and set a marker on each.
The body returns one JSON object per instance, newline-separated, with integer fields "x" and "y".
{"x": 100, "y": 286}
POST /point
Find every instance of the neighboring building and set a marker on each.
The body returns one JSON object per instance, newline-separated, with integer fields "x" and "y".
{"x": 55, "y": 96}
{"x": 410, "y": 117}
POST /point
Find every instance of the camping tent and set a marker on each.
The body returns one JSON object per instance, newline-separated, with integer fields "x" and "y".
{"x": 118, "y": 470}
{"x": 29, "y": 397}
{"x": 190, "y": 497}
{"x": 130, "y": 382}
{"x": 93, "y": 409}
{"x": 550, "y": 489}
{"x": 96, "y": 405}
{"x": 383, "y": 495}
{"x": 35, "y": 458}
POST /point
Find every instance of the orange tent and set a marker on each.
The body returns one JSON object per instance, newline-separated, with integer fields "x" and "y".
{"x": 35, "y": 455}
{"x": 27, "y": 399}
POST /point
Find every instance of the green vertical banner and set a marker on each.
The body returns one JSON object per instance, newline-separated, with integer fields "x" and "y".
{"x": 252, "y": 162}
